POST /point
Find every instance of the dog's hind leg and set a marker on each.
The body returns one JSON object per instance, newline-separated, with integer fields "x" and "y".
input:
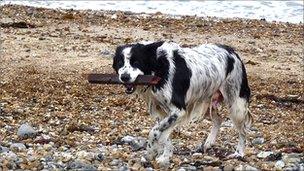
{"x": 241, "y": 119}
{"x": 159, "y": 142}
{"x": 216, "y": 124}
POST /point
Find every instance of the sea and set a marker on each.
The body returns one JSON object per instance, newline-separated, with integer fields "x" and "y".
{"x": 279, "y": 11}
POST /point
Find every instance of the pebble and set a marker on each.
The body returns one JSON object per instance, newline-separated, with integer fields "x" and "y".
{"x": 25, "y": 130}
{"x": 149, "y": 169}
{"x": 3, "y": 149}
{"x": 274, "y": 157}
{"x": 128, "y": 139}
{"x": 187, "y": 168}
{"x": 66, "y": 156}
{"x": 99, "y": 157}
{"x": 279, "y": 164}
{"x": 245, "y": 167}
{"x": 264, "y": 154}
{"x": 197, "y": 155}
{"x": 9, "y": 155}
{"x": 115, "y": 162}
{"x": 105, "y": 53}
{"x": 17, "y": 146}
{"x": 78, "y": 165}
{"x": 84, "y": 155}
{"x": 227, "y": 123}
{"x": 123, "y": 168}
{"x": 292, "y": 158}
{"x": 136, "y": 143}
{"x": 258, "y": 141}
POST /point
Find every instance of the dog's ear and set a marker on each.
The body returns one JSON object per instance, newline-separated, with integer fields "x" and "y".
{"x": 117, "y": 58}
{"x": 153, "y": 46}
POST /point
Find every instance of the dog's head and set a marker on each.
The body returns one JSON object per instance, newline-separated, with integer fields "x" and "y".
{"x": 133, "y": 60}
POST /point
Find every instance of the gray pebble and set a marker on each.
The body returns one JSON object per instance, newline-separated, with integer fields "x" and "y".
{"x": 136, "y": 143}
{"x": 105, "y": 53}
{"x": 264, "y": 154}
{"x": 77, "y": 165}
{"x": 149, "y": 169}
{"x": 115, "y": 162}
{"x": 17, "y": 146}
{"x": 9, "y": 155}
{"x": 25, "y": 130}
{"x": 3, "y": 149}
{"x": 245, "y": 167}
{"x": 123, "y": 168}
{"x": 279, "y": 164}
{"x": 258, "y": 141}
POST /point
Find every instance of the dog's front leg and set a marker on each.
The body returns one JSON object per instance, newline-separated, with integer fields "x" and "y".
{"x": 159, "y": 141}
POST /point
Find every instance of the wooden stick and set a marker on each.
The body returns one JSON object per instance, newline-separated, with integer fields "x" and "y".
{"x": 113, "y": 79}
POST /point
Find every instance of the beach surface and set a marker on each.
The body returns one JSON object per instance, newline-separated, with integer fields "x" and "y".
{"x": 46, "y": 52}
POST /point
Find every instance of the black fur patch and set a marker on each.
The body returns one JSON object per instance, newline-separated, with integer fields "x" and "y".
{"x": 181, "y": 81}
{"x": 169, "y": 123}
{"x": 172, "y": 118}
{"x": 230, "y": 60}
{"x": 162, "y": 69}
{"x": 143, "y": 57}
{"x": 118, "y": 59}
{"x": 245, "y": 90}
{"x": 230, "y": 63}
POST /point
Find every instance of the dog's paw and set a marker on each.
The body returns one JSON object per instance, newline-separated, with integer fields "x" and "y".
{"x": 163, "y": 161}
{"x": 207, "y": 146}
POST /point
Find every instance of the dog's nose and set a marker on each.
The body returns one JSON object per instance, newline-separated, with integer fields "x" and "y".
{"x": 125, "y": 77}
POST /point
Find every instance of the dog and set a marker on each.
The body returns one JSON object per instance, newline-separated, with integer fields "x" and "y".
{"x": 192, "y": 80}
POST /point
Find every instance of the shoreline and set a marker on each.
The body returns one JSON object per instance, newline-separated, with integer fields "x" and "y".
{"x": 202, "y": 9}
{"x": 81, "y": 126}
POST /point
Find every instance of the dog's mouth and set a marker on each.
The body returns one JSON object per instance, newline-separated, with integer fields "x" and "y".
{"x": 130, "y": 88}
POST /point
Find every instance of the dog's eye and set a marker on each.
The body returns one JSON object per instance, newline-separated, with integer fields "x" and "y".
{"x": 119, "y": 64}
{"x": 135, "y": 64}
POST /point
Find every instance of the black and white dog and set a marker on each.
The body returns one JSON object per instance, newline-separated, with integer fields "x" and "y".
{"x": 191, "y": 80}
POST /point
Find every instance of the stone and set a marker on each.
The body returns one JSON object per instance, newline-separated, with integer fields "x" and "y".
{"x": 78, "y": 165}
{"x": 197, "y": 155}
{"x": 99, "y": 157}
{"x": 115, "y": 162}
{"x": 292, "y": 158}
{"x": 84, "y": 155}
{"x": 105, "y": 53}
{"x": 187, "y": 168}
{"x": 136, "y": 143}
{"x": 228, "y": 168}
{"x": 3, "y": 149}
{"x": 128, "y": 139}
{"x": 245, "y": 167}
{"x": 123, "y": 168}
{"x": 149, "y": 169}
{"x": 9, "y": 155}
{"x": 66, "y": 156}
{"x": 17, "y": 146}
{"x": 25, "y": 130}
{"x": 264, "y": 154}
{"x": 274, "y": 157}
{"x": 258, "y": 141}
{"x": 279, "y": 164}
